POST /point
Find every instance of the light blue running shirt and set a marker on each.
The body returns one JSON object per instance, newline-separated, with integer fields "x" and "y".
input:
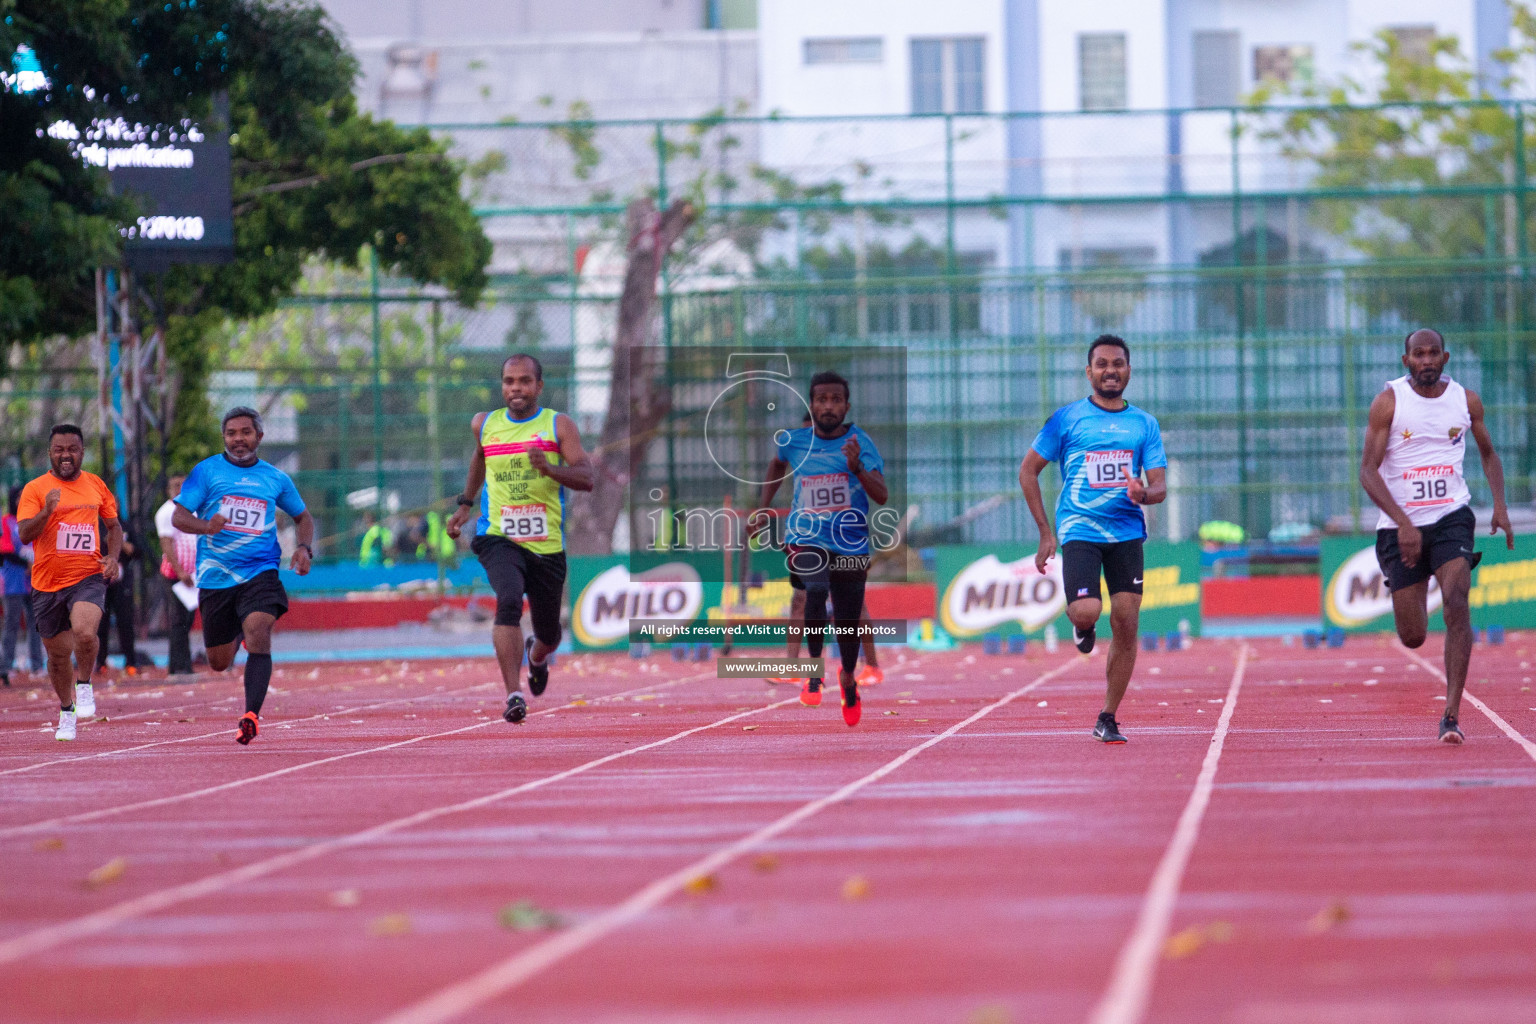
{"x": 830, "y": 509}
{"x": 1095, "y": 447}
{"x": 246, "y": 495}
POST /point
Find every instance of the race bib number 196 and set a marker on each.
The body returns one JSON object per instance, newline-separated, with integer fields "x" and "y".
{"x": 1108, "y": 469}
{"x": 525, "y": 522}
{"x": 76, "y": 538}
{"x": 245, "y": 515}
{"x": 823, "y": 492}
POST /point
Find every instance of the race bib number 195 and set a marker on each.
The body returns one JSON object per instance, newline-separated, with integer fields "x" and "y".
{"x": 525, "y": 522}
{"x": 76, "y": 538}
{"x": 245, "y": 515}
{"x": 1108, "y": 469}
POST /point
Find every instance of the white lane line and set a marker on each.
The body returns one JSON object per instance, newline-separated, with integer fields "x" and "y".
{"x": 1130, "y": 987}
{"x": 108, "y": 812}
{"x": 91, "y": 924}
{"x": 281, "y": 724}
{"x": 1468, "y": 695}
{"x": 497, "y": 979}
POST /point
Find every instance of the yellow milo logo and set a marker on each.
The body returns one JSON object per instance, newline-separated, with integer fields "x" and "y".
{"x": 1357, "y": 593}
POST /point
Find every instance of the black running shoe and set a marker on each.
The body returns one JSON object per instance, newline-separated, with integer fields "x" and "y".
{"x": 1450, "y": 731}
{"x": 516, "y": 710}
{"x": 1084, "y": 641}
{"x": 1107, "y": 729}
{"x": 538, "y": 675}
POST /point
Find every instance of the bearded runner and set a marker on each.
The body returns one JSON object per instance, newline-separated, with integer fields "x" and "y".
{"x": 525, "y": 457}
{"x": 1104, "y": 444}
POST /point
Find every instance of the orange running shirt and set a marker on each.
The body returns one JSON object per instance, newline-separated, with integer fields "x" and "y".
{"x": 70, "y": 546}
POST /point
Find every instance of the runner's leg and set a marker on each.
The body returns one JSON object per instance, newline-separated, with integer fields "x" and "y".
{"x": 1455, "y": 579}
{"x": 1124, "y": 620}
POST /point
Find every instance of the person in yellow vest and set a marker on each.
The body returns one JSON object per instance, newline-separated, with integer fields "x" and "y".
{"x": 437, "y": 546}
{"x": 525, "y": 457}
{"x": 378, "y": 544}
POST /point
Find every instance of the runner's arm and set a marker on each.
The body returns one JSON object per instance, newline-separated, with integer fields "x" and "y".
{"x": 1152, "y": 492}
{"x": 576, "y": 469}
{"x": 1029, "y": 481}
{"x": 1376, "y": 431}
{"x": 111, "y": 566}
{"x": 31, "y": 529}
{"x": 873, "y": 482}
{"x": 304, "y": 543}
{"x": 186, "y": 522}
{"x": 473, "y": 481}
{"x": 1493, "y": 470}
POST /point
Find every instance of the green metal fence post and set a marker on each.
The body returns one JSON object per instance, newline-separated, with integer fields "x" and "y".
{"x": 378, "y": 376}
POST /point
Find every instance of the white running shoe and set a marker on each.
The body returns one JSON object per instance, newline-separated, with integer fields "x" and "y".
{"x": 85, "y": 699}
{"x": 66, "y": 726}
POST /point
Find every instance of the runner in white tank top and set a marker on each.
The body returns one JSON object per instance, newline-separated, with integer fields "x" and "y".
{"x": 1412, "y": 469}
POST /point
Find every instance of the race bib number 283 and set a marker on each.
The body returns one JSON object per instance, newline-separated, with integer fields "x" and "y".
{"x": 1108, "y": 469}
{"x": 525, "y": 522}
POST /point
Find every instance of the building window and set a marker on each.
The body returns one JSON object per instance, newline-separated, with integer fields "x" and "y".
{"x": 863, "y": 50}
{"x": 1218, "y": 69}
{"x": 1282, "y": 65}
{"x": 1414, "y": 42}
{"x": 949, "y": 76}
{"x": 1101, "y": 70}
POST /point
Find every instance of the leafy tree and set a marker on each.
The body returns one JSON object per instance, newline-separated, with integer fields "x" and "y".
{"x": 313, "y": 177}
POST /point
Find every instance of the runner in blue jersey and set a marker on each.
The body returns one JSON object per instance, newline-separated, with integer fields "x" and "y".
{"x": 1104, "y": 444}
{"x": 230, "y": 501}
{"x": 836, "y": 471}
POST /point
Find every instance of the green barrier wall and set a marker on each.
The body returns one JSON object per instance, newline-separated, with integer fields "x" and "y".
{"x": 995, "y": 589}
{"x": 1355, "y": 597}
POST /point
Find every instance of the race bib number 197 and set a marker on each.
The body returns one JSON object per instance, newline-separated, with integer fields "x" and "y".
{"x": 1108, "y": 469}
{"x": 525, "y": 522}
{"x": 245, "y": 515}
{"x": 76, "y": 538}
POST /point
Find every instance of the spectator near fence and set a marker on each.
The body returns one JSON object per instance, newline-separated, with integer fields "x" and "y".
{"x": 177, "y": 565}
{"x": 17, "y": 568}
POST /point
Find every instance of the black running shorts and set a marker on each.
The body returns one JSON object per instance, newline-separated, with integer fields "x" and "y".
{"x": 51, "y": 609}
{"x": 514, "y": 571}
{"x": 1081, "y": 562}
{"x": 1445, "y": 540}
{"x": 224, "y": 610}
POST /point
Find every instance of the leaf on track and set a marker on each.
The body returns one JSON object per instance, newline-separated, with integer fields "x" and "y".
{"x": 856, "y": 888}
{"x": 389, "y": 925}
{"x": 51, "y": 843}
{"x": 1184, "y": 943}
{"x": 528, "y": 916}
{"x": 765, "y": 862}
{"x": 702, "y": 884}
{"x": 1334, "y": 914}
{"x": 108, "y": 873}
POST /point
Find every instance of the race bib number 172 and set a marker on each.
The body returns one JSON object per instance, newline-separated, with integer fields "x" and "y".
{"x": 76, "y": 538}
{"x": 1108, "y": 469}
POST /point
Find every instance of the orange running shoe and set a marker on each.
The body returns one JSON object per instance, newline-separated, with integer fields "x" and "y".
{"x": 869, "y": 675}
{"x": 853, "y": 708}
{"x": 248, "y": 728}
{"x": 810, "y": 693}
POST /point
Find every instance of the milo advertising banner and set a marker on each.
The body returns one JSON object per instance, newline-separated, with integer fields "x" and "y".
{"x": 605, "y": 594}
{"x": 1356, "y": 598}
{"x": 998, "y": 590}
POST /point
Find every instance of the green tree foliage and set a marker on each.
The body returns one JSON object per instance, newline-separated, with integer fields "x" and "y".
{"x": 1414, "y": 124}
{"x": 313, "y": 177}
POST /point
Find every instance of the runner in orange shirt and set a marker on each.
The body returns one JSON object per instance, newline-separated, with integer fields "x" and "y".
{"x": 60, "y": 515}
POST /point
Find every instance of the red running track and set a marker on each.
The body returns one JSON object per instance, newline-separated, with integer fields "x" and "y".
{"x": 702, "y": 850}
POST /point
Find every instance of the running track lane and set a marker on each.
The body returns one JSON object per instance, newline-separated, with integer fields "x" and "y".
{"x": 1352, "y": 869}
{"x": 55, "y": 824}
{"x": 50, "y": 937}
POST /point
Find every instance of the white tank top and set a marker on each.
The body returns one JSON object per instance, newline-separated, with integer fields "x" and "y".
{"x": 1425, "y": 451}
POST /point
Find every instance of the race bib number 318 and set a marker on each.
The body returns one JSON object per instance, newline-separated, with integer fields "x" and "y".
{"x": 1108, "y": 469}
{"x": 525, "y": 522}
{"x": 76, "y": 538}
{"x": 245, "y": 515}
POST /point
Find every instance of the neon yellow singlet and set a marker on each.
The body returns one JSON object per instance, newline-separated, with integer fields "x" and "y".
{"x": 516, "y": 502}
